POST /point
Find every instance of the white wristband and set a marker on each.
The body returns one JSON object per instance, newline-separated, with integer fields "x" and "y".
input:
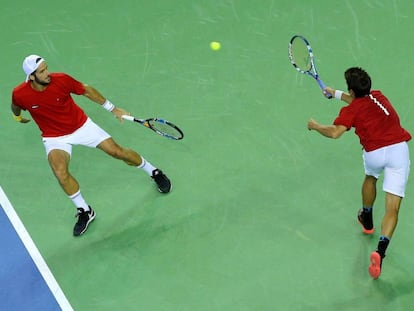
{"x": 338, "y": 94}
{"x": 107, "y": 105}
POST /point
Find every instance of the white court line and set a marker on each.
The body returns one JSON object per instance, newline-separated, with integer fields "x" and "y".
{"x": 34, "y": 253}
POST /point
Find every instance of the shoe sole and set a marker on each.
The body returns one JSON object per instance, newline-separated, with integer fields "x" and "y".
{"x": 366, "y": 231}
{"x": 87, "y": 224}
{"x": 375, "y": 266}
{"x": 169, "y": 190}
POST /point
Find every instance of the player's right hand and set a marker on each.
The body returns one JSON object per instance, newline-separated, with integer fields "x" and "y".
{"x": 328, "y": 90}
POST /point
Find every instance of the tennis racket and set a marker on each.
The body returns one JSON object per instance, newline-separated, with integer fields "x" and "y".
{"x": 160, "y": 126}
{"x": 301, "y": 57}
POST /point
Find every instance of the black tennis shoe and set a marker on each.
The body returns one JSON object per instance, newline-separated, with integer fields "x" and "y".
{"x": 162, "y": 181}
{"x": 365, "y": 219}
{"x": 84, "y": 219}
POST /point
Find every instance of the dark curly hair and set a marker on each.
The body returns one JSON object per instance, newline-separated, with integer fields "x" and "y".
{"x": 358, "y": 81}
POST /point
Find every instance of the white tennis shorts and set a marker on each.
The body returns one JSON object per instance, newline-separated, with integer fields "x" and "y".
{"x": 394, "y": 161}
{"x": 89, "y": 135}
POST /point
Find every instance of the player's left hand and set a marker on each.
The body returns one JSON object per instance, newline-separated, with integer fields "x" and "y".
{"x": 312, "y": 124}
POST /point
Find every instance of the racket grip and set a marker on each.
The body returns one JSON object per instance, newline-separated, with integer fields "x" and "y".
{"x": 323, "y": 86}
{"x": 129, "y": 118}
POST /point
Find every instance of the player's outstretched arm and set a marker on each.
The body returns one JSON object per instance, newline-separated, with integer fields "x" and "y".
{"x": 95, "y": 96}
{"x": 338, "y": 94}
{"x": 330, "y": 131}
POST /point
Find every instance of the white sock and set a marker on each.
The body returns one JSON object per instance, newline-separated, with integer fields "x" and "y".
{"x": 79, "y": 201}
{"x": 146, "y": 166}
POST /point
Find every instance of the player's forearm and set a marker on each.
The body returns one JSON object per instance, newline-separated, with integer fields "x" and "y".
{"x": 330, "y": 131}
{"x": 16, "y": 110}
{"x": 338, "y": 94}
{"x": 94, "y": 95}
{"x": 346, "y": 98}
{"x": 326, "y": 130}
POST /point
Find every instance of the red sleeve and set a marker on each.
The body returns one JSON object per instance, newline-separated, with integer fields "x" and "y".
{"x": 73, "y": 86}
{"x": 346, "y": 117}
{"x": 78, "y": 87}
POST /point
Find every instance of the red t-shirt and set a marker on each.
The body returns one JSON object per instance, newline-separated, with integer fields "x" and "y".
{"x": 375, "y": 121}
{"x": 53, "y": 109}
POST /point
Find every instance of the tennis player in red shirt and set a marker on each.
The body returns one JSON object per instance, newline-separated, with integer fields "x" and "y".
{"x": 385, "y": 150}
{"x": 48, "y": 98}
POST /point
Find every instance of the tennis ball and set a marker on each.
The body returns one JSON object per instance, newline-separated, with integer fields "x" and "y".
{"x": 215, "y": 46}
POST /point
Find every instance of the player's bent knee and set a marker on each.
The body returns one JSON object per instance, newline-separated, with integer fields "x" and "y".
{"x": 62, "y": 175}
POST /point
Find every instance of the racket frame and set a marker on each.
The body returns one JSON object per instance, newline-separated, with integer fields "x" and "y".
{"x": 312, "y": 71}
{"x": 147, "y": 124}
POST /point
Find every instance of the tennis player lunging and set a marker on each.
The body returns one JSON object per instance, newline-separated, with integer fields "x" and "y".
{"x": 47, "y": 97}
{"x": 385, "y": 149}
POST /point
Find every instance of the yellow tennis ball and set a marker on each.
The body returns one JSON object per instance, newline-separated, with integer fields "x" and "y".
{"x": 215, "y": 46}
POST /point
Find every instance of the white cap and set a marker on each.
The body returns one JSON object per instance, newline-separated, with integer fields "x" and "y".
{"x": 30, "y": 64}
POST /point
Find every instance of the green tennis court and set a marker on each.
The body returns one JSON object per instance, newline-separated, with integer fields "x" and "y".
{"x": 262, "y": 215}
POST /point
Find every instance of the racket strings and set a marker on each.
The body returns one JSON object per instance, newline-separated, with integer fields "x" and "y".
{"x": 165, "y": 128}
{"x": 301, "y": 55}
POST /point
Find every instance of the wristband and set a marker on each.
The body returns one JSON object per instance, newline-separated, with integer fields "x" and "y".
{"x": 338, "y": 94}
{"x": 17, "y": 118}
{"x": 107, "y": 105}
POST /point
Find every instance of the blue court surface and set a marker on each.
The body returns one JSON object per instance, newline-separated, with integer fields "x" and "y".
{"x": 26, "y": 281}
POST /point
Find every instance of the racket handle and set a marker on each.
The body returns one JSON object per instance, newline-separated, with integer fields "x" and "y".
{"x": 323, "y": 86}
{"x": 129, "y": 118}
